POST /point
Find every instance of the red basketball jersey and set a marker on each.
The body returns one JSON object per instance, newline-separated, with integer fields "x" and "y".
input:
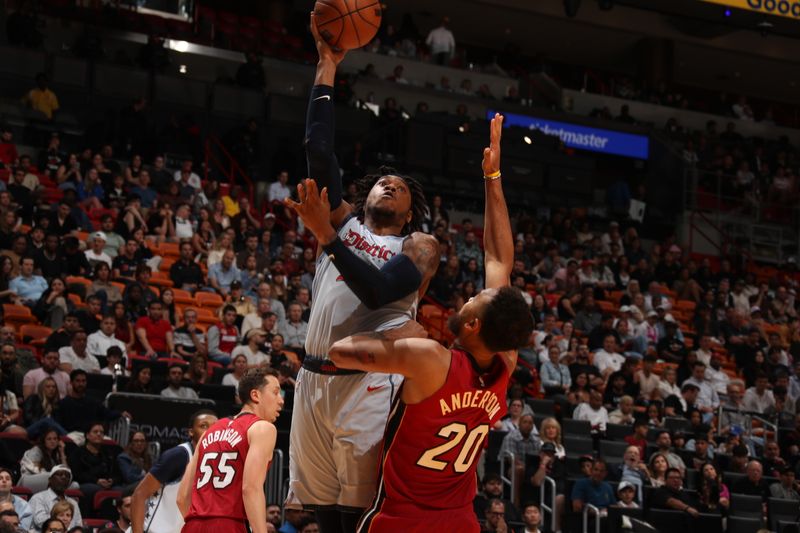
{"x": 431, "y": 449}
{"x": 220, "y": 469}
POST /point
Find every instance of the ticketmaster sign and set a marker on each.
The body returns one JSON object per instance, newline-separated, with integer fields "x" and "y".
{"x": 782, "y": 8}
{"x": 583, "y": 137}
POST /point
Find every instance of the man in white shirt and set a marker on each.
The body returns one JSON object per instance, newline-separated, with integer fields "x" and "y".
{"x": 607, "y": 360}
{"x": 95, "y": 253}
{"x": 174, "y": 388}
{"x": 76, "y": 357}
{"x": 707, "y": 398}
{"x": 279, "y": 190}
{"x": 717, "y": 377}
{"x": 193, "y": 179}
{"x": 441, "y": 42}
{"x": 101, "y": 340}
{"x": 256, "y": 338}
{"x": 593, "y": 412}
{"x": 42, "y": 503}
{"x": 759, "y": 397}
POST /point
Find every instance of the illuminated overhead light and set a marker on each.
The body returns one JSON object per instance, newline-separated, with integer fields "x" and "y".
{"x": 182, "y": 69}
{"x": 527, "y": 140}
{"x": 461, "y": 129}
{"x": 180, "y": 46}
{"x": 571, "y": 7}
{"x": 727, "y": 12}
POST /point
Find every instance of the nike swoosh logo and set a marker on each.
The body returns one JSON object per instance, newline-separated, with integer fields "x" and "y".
{"x": 373, "y": 389}
{"x": 323, "y": 97}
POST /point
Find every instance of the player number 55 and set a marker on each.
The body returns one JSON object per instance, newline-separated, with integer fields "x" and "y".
{"x": 225, "y": 471}
{"x": 455, "y": 432}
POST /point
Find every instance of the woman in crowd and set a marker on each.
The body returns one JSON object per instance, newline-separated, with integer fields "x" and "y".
{"x": 53, "y": 305}
{"x": 168, "y": 304}
{"x": 713, "y": 493}
{"x": 550, "y": 431}
{"x": 40, "y": 410}
{"x": 657, "y": 469}
{"x": 135, "y": 461}
{"x": 62, "y": 511}
{"x": 6, "y": 266}
{"x": 197, "y": 372}
{"x": 37, "y": 462}
{"x": 141, "y": 380}
{"x": 239, "y": 365}
{"x": 124, "y": 331}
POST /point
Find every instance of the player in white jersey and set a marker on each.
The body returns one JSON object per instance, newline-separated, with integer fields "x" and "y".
{"x": 372, "y": 267}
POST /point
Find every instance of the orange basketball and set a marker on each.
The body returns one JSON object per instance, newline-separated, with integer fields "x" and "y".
{"x": 347, "y": 24}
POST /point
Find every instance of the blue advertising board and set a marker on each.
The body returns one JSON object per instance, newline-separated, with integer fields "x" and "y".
{"x": 583, "y": 137}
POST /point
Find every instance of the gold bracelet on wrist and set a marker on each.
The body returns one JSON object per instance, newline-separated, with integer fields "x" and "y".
{"x": 492, "y": 176}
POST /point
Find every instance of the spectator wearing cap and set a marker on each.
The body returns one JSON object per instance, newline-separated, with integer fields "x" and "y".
{"x": 96, "y": 254}
{"x": 700, "y": 445}
{"x": 256, "y": 337}
{"x": 786, "y": 488}
{"x": 626, "y": 493}
{"x": 42, "y": 503}
{"x": 550, "y": 465}
{"x": 601, "y": 331}
{"x": 670, "y": 347}
{"x": 236, "y": 297}
{"x": 759, "y": 398}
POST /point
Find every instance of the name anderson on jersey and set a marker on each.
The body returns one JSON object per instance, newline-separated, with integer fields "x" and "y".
{"x": 231, "y": 436}
{"x": 483, "y": 399}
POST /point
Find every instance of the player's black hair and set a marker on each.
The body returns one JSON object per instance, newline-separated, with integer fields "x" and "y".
{"x": 255, "y": 378}
{"x": 507, "y": 322}
{"x": 197, "y": 414}
{"x": 419, "y": 205}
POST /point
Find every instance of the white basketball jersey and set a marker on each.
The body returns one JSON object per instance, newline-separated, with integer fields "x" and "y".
{"x": 336, "y": 312}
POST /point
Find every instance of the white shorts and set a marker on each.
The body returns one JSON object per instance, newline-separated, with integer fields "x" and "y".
{"x": 337, "y": 430}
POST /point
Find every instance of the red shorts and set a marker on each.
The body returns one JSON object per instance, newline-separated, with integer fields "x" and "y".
{"x": 214, "y": 525}
{"x": 421, "y": 521}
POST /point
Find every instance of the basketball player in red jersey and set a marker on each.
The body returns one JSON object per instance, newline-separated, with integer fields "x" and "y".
{"x": 223, "y": 488}
{"x": 450, "y": 397}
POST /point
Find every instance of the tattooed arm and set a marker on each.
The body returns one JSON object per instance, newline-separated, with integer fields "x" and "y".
{"x": 375, "y": 352}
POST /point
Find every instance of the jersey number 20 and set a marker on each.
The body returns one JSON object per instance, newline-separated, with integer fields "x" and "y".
{"x": 225, "y": 471}
{"x": 455, "y": 432}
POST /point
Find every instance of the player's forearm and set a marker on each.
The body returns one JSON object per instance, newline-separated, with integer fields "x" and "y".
{"x": 326, "y": 72}
{"x": 323, "y": 166}
{"x": 375, "y": 288}
{"x": 255, "y": 505}
{"x": 498, "y": 240}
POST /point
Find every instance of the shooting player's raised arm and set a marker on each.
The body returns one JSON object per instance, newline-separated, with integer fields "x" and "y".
{"x": 320, "y": 128}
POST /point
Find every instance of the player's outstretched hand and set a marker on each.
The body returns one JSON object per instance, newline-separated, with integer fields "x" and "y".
{"x": 314, "y": 209}
{"x": 410, "y": 330}
{"x": 324, "y": 50}
{"x": 491, "y": 154}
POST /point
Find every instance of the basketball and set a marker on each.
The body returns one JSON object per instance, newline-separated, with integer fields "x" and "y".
{"x": 347, "y": 24}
